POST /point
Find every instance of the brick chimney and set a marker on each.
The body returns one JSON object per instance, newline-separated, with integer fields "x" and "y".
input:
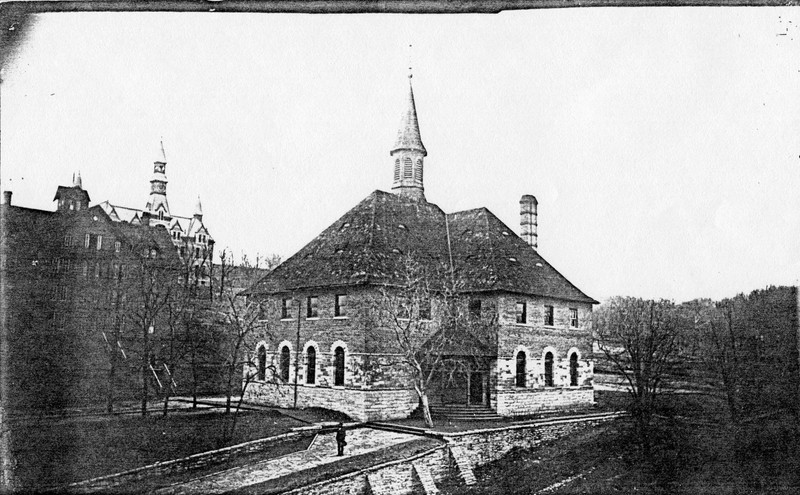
{"x": 528, "y": 220}
{"x": 7, "y": 197}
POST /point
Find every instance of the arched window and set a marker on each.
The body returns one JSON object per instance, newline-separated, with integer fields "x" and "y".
{"x": 418, "y": 170}
{"x": 397, "y": 169}
{"x": 262, "y": 363}
{"x": 521, "y": 365}
{"x": 338, "y": 366}
{"x": 407, "y": 168}
{"x": 548, "y": 369}
{"x": 573, "y": 370}
{"x": 311, "y": 365}
{"x": 285, "y": 363}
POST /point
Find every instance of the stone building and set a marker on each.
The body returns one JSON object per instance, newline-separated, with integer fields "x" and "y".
{"x": 69, "y": 295}
{"x": 189, "y": 235}
{"x": 538, "y": 356}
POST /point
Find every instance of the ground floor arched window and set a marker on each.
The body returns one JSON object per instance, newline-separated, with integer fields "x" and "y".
{"x": 285, "y": 363}
{"x": 311, "y": 365}
{"x": 338, "y": 366}
{"x": 521, "y": 365}
{"x": 548, "y": 369}
{"x": 573, "y": 369}
{"x": 262, "y": 363}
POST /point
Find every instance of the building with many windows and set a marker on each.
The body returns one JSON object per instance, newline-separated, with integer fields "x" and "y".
{"x": 73, "y": 309}
{"x": 189, "y": 234}
{"x": 536, "y": 355}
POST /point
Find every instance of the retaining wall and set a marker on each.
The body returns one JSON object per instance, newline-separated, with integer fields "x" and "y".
{"x": 193, "y": 462}
{"x": 479, "y": 447}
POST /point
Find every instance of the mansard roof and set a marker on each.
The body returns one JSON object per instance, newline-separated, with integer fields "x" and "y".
{"x": 369, "y": 244}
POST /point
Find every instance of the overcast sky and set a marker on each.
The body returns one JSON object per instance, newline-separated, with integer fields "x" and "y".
{"x": 663, "y": 144}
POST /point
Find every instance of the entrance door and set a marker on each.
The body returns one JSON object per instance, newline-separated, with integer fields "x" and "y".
{"x": 454, "y": 388}
{"x": 476, "y": 388}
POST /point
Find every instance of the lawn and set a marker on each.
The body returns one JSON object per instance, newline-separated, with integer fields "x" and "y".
{"x": 695, "y": 451}
{"x": 52, "y": 452}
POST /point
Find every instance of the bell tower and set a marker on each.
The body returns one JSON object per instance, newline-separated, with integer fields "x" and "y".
{"x": 157, "y": 205}
{"x": 408, "y": 153}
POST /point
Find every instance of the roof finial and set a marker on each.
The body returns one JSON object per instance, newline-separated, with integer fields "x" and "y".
{"x": 163, "y": 157}
{"x": 410, "y": 73}
{"x": 198, "y": 208}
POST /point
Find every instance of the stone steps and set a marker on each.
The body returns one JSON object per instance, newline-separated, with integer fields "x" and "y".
{"x": 464, "y": 466}
{"x": 426, "y": 478}
{"x": 463, "y": 412}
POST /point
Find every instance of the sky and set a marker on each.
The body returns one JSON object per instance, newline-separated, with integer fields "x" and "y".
{"x": 663, "y": 144}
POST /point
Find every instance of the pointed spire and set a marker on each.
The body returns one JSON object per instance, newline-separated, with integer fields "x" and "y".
{"x": 76, "y": 180}
{"x": 408, "y": 137}
{"x": 162, "y": 157}
{"x": 198, "y": 208}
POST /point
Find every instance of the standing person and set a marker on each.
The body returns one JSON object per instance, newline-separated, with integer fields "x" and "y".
{"x": 341, "y": 434}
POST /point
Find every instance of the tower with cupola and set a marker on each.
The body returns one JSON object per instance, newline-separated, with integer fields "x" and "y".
{"x": 408, "y": 153}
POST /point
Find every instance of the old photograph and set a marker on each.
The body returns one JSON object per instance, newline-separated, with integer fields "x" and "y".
{"x": 399, "y": 248}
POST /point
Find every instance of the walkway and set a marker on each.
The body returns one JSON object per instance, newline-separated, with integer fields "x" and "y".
{"x": 321, "y": 451}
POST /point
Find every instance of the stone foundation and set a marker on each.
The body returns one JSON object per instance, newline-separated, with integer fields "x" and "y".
{"x": 359, "y": 404}
{"x": 525, "y": 401}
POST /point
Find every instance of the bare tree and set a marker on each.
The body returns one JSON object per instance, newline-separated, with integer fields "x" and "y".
{"x": 153, "y": 282}
{"x": 639, "y": 338}
{"x": 425, "y": 313}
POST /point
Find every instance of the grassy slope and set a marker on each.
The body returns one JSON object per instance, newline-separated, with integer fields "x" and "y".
{"x": 692, "y": 453}
{"x": 56, "y": 452}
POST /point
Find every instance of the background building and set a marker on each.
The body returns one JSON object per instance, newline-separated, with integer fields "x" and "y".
{"x": 92, "y": 294}
{"x": 189, "y": 235}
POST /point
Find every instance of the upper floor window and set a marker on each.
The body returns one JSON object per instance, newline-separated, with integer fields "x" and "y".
{"x": 397, "y": 169}
{"x": 522, "y": 312}
{"x": 573, "y": 317}
{"x": 176, "y": 234}
{"x": 87, "y": 241}
{"x": 418, "y": 170}
{"x": 99, "y": 242}
{"x": 340, "y": 306}
{"x": 425, "y": 309}
{"x": 407, "y": 172}
{"x": 160, "y": 215}
{"x": 67, "y": 240}
{"x": 475, "y": 308}
{"x": 286, "y": 308}
{"x": 201, "y": 238}
{"x": 548, "y": 316}
{"x": 312, "y": 308}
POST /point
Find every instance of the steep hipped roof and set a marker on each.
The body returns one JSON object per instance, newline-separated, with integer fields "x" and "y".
{"x": 408, "y": 136}
{"x": 369, "y": 244}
